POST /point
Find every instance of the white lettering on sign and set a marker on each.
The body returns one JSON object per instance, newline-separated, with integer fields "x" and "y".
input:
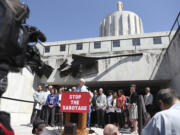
{"x": 77, "y": 97}
{"x": 75, "y": 108}
{"x": 74, "y": 102}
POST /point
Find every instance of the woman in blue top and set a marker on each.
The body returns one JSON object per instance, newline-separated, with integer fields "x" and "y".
{"x": 51, "y": 102}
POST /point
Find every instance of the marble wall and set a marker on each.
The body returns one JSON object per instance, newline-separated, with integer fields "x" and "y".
{"x": 20, "y": 86}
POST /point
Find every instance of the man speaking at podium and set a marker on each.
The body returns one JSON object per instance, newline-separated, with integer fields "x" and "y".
{"x": 81, "y": 87}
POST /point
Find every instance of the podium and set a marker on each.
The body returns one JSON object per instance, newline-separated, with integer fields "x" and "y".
{"x": 76, "y": 102}
{"x": 82, "y": 121}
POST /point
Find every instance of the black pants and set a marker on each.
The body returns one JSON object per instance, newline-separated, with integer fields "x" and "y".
{"x": 94, "y": 117}
{"x": 109, "y": 118}
{"x": 43, "y": 112}
{"x": 121, "y": 119}
{"x": 35, "y": 115}
{"x": 100, "y": 117}
{"x": 50, "y": 112}
{"x": 58, "y": 117}
{"x": 149, "y": 109}
{"x": 114, "y": 117}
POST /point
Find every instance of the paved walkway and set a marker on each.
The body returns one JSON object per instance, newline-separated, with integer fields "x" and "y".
{"x": 25, "y": 130}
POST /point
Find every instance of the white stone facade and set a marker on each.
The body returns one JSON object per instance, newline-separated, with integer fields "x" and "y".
{"x": 121, "y": 23}
{"x": 126, "y": 43}
{"x": 133, "y": 68}
{"x": 20, "y": 86}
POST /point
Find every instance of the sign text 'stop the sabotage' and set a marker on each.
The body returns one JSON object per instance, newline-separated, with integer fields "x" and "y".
{"x": 77, "y": 102}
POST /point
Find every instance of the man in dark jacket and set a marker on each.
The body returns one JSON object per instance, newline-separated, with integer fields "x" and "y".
{"x": 94, "y": 108}
{"x": 51, "y": 103}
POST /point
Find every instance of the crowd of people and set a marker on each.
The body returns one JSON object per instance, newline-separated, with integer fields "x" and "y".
{"x": 47, "y": 101}
{"x": 165, "y": 122}
{"x": 115, "y": 108}
{"x": 110, "y": 108}
{"x": 111, "y": 111}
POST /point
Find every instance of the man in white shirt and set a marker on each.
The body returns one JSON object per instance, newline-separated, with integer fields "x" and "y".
{"x": 109, "y": 108}
{"x": 81, "y": 87}
{"x": 38, "y": 102}
{"x": 148, "y": 100}
{"x": 45, "y": 93}
{"x": 166, "y": 122}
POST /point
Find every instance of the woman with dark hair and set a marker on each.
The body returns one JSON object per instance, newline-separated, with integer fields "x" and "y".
{"x": 121, "y": 100}
{"x": 51, "y": 103}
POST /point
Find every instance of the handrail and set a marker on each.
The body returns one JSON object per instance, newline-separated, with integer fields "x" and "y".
{"x": 175, "y": 22}
{"x": 170, "y": 42}
{"x": 20, "y": 100}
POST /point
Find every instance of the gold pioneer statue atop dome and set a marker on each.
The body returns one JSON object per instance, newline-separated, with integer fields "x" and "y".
{"x": 120, "y": 6}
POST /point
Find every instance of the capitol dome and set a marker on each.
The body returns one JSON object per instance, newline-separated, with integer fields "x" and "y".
{"x": 121, "y": 23}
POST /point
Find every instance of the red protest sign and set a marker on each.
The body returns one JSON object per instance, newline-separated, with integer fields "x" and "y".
{"x": 77, "y": 102}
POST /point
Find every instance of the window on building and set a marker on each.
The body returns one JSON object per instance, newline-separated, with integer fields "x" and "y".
{"x": 79, "y": 46}
{"x": 136, "y": 41}
{"x": 47, "y": 49}
{"x": 97, "y": 45}
{"x": 157, "y": 40}
{"x": 116, "y": 43}
{"x": 62, "y": 48}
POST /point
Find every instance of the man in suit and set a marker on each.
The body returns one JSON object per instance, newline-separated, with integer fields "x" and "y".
{"x": 101, "y": 107}
{"x": 148, "y": 100}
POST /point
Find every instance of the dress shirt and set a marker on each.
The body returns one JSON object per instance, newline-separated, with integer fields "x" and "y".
{"x": 166, "y": 122}
{"x": 81, "y": 89}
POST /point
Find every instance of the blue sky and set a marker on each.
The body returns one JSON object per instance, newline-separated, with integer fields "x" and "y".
{"x": 75, "y": 19}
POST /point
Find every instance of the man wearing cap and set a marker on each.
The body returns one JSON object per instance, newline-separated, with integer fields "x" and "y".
{"x": 81, "y": 87}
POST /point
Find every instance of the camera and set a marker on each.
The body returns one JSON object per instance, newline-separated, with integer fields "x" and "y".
{"x": 17, "y": 41}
